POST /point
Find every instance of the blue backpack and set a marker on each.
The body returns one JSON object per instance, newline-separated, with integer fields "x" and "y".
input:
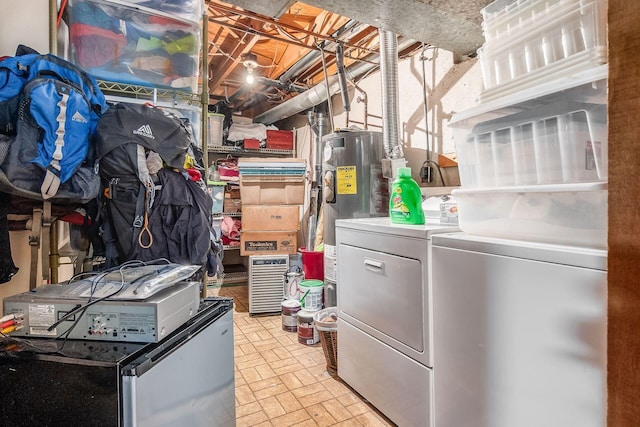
{"x": 49, "y": 110}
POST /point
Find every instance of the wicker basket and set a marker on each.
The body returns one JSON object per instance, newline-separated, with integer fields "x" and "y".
{"x": 328, "y": 332}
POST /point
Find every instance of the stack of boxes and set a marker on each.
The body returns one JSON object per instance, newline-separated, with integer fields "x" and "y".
{"x": 272, "y": 193}
{"x": 232, "y": 199}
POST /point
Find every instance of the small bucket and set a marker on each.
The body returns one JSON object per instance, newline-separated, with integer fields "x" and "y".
{"x": 311, "y": 292}
{"x": 292, "y": 281}
{"x": 307, "y": 333}
{"x": 290, "y": 309}
{"x": 312, "y": 264}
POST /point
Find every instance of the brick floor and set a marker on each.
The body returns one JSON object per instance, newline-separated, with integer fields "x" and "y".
{"x": 280, "y": 382}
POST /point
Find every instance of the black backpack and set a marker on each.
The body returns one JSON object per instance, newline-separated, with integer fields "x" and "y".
{"x": 150, "y": 212}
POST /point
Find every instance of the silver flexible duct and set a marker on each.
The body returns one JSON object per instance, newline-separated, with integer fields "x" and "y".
{"x": 318, "y": 94}
{"x": 390, "y": 106}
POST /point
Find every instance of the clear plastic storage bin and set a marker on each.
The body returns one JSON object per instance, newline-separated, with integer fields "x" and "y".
{"x": 532, "y": 40}
{"x": 557, "y": 138}
{"x": 533, "y": 165}
{"x": 571, "y": 214}
{"x": 216, "y": 190}
{"x": 187, "y": 9}
{"x": 121, "y": 43}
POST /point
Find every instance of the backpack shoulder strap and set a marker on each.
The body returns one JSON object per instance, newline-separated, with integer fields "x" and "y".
{"x": 47, "y": 221}
{"x": 34, "y": 242}
{"x": 39, "y": 236}
{"x": 51, "y": 181}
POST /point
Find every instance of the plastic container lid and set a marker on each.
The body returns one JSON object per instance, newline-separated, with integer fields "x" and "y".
{"x": 311, "y": 283}
{"x": 291, "y": 303}
{"x": 305, "y": 316}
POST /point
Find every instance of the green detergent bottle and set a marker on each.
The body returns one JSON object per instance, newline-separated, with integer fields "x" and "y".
{"x": 405, "y": 204}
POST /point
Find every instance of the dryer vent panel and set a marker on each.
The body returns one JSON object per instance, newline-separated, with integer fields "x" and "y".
{"x": 266, "y": 283}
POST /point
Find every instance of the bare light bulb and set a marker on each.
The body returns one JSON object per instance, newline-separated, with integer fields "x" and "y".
{"x": 250, "y": 79}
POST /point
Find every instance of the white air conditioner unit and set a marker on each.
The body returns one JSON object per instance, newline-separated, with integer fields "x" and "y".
{"x": 266, "y": 282}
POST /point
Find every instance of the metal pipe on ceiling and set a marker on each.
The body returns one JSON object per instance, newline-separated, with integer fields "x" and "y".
{"x": 286, "y": 86}
{"x": 313, "y": 56}
{"x": 269, "y": 83}
{"x": 310, "y": 58}
{"x": 318, "y": 93}
{"x": 342, "y": 34}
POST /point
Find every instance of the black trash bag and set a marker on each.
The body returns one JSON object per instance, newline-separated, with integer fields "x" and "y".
{"x": 7, "y": 268}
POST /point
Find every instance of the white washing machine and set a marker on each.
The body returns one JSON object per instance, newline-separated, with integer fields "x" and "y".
{"x": 385, "y": 349}
{"x": 520, "y": 333}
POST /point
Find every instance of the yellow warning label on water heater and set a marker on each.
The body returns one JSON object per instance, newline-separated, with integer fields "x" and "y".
{"x": 346, "y": 181}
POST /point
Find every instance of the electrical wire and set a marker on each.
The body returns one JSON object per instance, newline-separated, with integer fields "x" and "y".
{"x": 429, "y": 161}
{"x": 326, "y": 82}
{"x": 222, "y": 52}
{"x": 80, "y": 310}
{"x": 96, "y": 282}
{"x": 424, "y": 101}
{"x": 83, "y": 309}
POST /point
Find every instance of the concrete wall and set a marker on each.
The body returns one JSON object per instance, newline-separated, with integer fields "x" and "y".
{"x": 27, "y": 24}
{"x": 24, "y": 22}
{"x": 450, "y": 88}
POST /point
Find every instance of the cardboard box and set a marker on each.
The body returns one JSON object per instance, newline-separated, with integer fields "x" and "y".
{"x": 272, "y": 190}
{"x": 280, "y": 139}
{"x": 270, "y": 218}
{"x": 268, "y": 242}
{"x": 232, "y": 192}
{"x": 232, "y": 205}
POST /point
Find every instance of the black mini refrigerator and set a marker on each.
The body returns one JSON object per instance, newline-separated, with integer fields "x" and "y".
{"x": 185, "y": 379}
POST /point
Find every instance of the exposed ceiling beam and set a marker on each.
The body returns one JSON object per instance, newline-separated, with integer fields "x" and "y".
{"x": 288, "y": 28}
{"x": 226, "y": 65}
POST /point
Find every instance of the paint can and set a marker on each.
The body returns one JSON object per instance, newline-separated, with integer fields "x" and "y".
{"x": 307, "y": 333}
{"x": 290, "y": 309}
{"x": 311, "y": 293}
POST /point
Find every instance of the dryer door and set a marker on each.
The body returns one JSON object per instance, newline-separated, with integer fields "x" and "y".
{"x": 383, "y": 289}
